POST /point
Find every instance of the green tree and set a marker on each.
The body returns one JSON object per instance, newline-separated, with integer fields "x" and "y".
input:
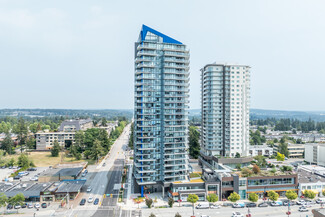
{"x": 18, "y": 199}
{"x": 149, "y": 202}
{"x": 33, "y": 127}
{"x": 192, "y": 198}
{"x": 104, "y": 122}
{"x": 21, "y": 130}
{"x": 234, "y": 197}
{"x": 237, "y": 155}
{"x": 280, "y": 157}
{"x": 24, "y": 161}
{"x": 260, "y": 160}
{"x": 7, "y": 144}
{"x": 152, "y": 215}
{"x": 253, "y": 197}
{"x": 131, "y": 136}
{"x": 273, "y": 195}
{"x": 291, "y": 195}
{"x": 171, "y": 202}
{"x": 97, "y": 150}
{"x": 3, "y": 200}
{"x": 309, "y": 194}
{"x": 212, "y": 198}
{"x": 31, "y": 143}
{"x": 2, "y": 158}
{"x": 283, "y": 149}
{"x": 194, "y": 136}
{"x": 56, "y": 149}
{"x": 5, "y": 127}
{"x": 87, "y": 154}
{"x": 11, "y": 162}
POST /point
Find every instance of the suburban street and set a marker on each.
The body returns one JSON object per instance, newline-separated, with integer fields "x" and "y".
{"x": 104, "y": 180}
{"x": 227, "y": 211}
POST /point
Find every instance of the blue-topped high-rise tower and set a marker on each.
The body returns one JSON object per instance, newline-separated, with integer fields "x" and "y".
{"x": 160, "y": 111}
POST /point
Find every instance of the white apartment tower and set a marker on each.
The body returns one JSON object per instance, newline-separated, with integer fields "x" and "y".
{"x": 225, "y": 90}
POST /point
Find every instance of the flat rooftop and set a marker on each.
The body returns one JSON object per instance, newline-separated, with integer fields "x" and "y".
{"x": 62, "y": 172}
{"x": 67, "y": 187}
{"x": 28, "y": 189}
{"x": 305, "y": 176}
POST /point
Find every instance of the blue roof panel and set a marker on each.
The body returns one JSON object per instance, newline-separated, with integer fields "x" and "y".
{"x": 166, "y": 39}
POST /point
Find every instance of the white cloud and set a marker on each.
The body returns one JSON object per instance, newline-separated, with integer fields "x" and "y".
{"x": 17, "y": 18}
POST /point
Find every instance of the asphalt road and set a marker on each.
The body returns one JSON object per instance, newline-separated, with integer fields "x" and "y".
{"x": 102, "y": 181}
{"x": 227, "y": 211}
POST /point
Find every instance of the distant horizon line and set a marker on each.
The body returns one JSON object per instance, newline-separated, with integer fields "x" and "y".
{"x": 101, "y": 109}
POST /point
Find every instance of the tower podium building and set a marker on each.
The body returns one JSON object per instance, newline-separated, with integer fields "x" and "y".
{"x": 225, "y": 95}
{"x": 160, "y": 111}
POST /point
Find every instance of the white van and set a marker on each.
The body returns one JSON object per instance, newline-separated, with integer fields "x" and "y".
{"x": 204, "y": 205}
{"x": 9, "y": 183}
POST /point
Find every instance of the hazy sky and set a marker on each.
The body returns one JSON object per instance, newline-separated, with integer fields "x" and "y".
{"x": 79, "y": 54}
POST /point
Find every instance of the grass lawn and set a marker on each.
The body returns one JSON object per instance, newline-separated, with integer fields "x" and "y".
{"x": 44, "y": 159}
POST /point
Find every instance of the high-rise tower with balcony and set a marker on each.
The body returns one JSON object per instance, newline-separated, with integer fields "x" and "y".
{"x": 225, "y": 90}
{"x": 160, "y": 111}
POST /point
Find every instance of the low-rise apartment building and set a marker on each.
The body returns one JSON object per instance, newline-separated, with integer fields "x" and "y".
{"x": 314, "y": 153}
{"x": 76, "y": 125}
{"x": 295, "y": 150}
{"x": 263, "y": 150}
{"x": 45, "y": 140}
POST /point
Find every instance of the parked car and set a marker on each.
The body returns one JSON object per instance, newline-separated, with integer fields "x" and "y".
{"x": 238, "y": 205}
{"x": 308, "y": 204}
{"x": 96, "y": 201}
{"x": 17, "y": 206}
{"x": 29, "y": 206}
{"x": 277, "y": 203}
{"x": 286, "y": 202}
{"x": 104, "y": 164}
{"x": 44, "y": 205}
{"x": 215, "y": 206}
{"x": 34, "y": 178}
{"x": 204, "y": 205}
{"x": 90, "y": 199}
{"x": 82, "y": 202}
{"x": 37, "y": 206}
{"x": 250, "y": 204}
{"x": 263, "y": 204}
{"x": 237, "y": 214}
{"x": 300, "y": 202}
{"x": 24, "y": 205}
{"x": 10, "y": 206}
{"x": 320, "y": 200}
{"x": 205, "y": 216}
{"x": 17, "y": 177}
{"x": 31, "y": 169}
{"x": 89, "y": 189}
{"x": 303, "y": 209}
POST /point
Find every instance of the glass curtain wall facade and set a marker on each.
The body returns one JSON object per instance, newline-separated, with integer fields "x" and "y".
{"x": 161, "y": 109}
{"x": 225, "y": 94}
